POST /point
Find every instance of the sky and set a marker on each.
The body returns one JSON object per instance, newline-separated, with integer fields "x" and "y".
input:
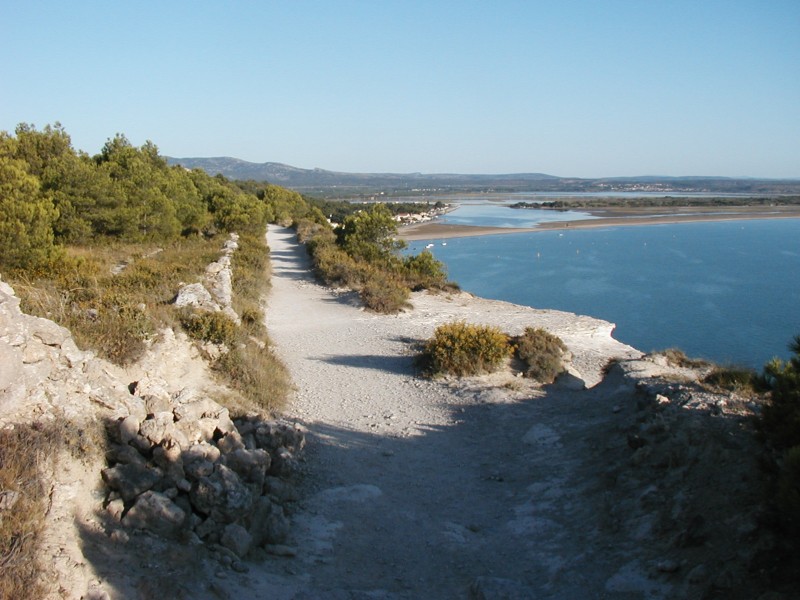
{"x": 574, "y": 88}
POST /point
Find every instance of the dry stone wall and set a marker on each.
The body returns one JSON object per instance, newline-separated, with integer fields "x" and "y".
{"x": 181, "y": 467}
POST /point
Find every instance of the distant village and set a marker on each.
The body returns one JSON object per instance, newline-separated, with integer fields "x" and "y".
{"x": 407, "y": 218}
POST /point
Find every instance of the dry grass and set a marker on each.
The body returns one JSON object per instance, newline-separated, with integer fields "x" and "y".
{"x": 258, "y": 375}
{"x": 678, "y": 358}
{"x": 27, "y": 455}
{"x": 115, "y": 314}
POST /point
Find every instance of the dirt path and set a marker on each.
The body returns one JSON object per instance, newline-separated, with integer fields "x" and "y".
{"x": 420, "y": 489}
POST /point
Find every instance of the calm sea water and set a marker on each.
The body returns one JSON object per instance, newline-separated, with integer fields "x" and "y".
{"x": 727, "y": 291}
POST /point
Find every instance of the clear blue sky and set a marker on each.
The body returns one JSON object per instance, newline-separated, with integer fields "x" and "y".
{"x": 569, "y": 88}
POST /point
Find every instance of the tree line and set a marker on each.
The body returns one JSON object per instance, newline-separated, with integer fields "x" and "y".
{"x": 52, "y": 195}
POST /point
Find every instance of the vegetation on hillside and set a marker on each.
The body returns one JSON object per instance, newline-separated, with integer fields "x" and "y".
{"x": 463, "y": 349}
{"x": 364, "y": 254}
{"x": 102, "y": 243}
{"x": 780, "y": 426}
{"x": 542, "y": 354}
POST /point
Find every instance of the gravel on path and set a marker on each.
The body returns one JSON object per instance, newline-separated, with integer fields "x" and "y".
{"x": 427, "y": 489}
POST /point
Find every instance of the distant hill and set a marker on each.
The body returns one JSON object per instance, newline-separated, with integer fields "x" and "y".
{"x": 335, "y": 183}
{"x": 297, "y": 178}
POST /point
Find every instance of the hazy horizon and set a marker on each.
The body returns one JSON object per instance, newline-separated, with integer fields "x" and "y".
{"x": 571, "y": 88}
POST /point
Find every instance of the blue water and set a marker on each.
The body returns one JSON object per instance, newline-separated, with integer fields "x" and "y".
{"x": 727, "y": 291}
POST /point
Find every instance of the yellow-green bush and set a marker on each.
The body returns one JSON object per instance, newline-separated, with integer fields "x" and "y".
{"x": 462, "y": 349}
{"x": 214, "y": 327}
{"x": 542, "y": 352}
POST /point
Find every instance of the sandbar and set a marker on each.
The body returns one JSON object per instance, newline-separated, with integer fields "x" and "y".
{"x": 607, "y": 217}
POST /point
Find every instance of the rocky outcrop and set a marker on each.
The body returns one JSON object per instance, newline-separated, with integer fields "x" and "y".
{"x": 215, "y": 294}
{"x": 180, "y": 466}
{"x": 42, "y": 371}
{"x": 176, "y": 465}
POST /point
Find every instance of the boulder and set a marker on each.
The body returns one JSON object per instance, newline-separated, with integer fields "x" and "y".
{"x": 236, "y": 539}
{"x": 249, "y": 464}
{"x": 230, "y": 442}
{"x": 157, "y": 513}
{"x": 194, "y": 410}
{"x": 222, "y": 495}
{"x": 196, "y": 295}
{"x": 168, "y": 457}
{"x": 125, "y": 454}
{"x": 157, "y": 428}
{"x": 131, "y": 479}
{"x": 284, "y": 464}
{"x": 198, "y": 468}
{"x": 267, "y": 523}
{"x": 128, "y": 429}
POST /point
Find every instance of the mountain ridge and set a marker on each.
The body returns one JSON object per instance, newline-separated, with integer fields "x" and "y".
{"x": 319, "y": 180}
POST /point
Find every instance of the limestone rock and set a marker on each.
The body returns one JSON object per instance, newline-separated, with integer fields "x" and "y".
{"x": 267, "y": 523}
{"x": 570, "y": 379}
{"x": 131, "y": 480}
{"x": 196, "y": 295}
{"x": 236, "y": 539}
{"x": 157, "y": 428}
{"x": 284, "y": 464}
{"x": 157, "y": 513}
{"x": 221, "y": 495}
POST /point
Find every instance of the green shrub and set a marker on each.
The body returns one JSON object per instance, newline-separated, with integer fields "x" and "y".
{"x": 384, "y": 294}
{"x": 461, "y": 349}
{"x": 542, "y": 352}
{"x": 423, "y": 271}
{"x": 780, "y": 427}
{"x": 214, "y": 327}
{"x": 335, "y": 267}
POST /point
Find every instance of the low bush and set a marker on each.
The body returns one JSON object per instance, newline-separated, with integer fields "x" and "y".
{"x": 461, "y": 349}
{"x": 542, "y": 352}
{"x": 384, "y": 294}
{"x": 335, "y": 267}
{"x": 423, "y": 271}
{"x": 363, "y": 255}
{"x": 214, "y": 327}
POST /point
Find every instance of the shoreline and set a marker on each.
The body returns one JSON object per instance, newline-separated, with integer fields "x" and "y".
{"x": 606, "y": 217}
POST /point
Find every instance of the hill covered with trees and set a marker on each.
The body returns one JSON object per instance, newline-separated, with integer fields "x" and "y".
{"x": 52, "y": 195}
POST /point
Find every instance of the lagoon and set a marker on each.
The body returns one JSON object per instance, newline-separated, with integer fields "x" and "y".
{"x": 725, "y": 291}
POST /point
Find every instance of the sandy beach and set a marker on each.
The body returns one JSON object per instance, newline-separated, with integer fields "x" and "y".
{"x": 607, "y": 217}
